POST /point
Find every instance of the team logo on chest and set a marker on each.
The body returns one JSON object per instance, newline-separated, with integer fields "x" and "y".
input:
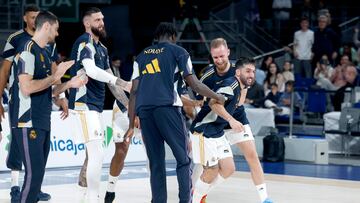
{"x": 42, "y": 58}
{"x": 32, "y": 135}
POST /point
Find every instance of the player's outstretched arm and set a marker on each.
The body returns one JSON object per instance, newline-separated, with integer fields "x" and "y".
{"x": 28, "y": 85}
{"x": 131, "y": 110}
{"x": 202, "y": 89}
{"x": 221, "y": 111}
{"x": 101, "y": 75}
{"x": 75, "y": 82}
{"x": 118, "y": 92}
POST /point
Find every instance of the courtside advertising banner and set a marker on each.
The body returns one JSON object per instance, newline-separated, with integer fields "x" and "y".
{"x": 65, "y": 152}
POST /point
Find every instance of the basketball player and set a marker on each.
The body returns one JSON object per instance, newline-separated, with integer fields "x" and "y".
{"x": 31, "y": 101}
{"x": 210, "y": 147}
{"x": 221, "y": 70}
{"x": 91, "y": 56}
{"x": 157, "y": 70}
{"x": 13, "y": 160}
{"x": 120, "y": 125}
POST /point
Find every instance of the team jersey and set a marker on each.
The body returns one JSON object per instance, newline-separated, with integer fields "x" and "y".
{"x": 93, "y": 93}
{"x": 32, "y": 111}
{"x": 159, "y": 69}
{"x": 207, "y": 121}
{"x": 210, "y": 78}
{"x": 20, "y": 37}
{"x": 15, "y": 44}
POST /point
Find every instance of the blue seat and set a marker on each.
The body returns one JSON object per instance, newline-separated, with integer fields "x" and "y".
{"x": 304, "y": 82}
{"x": 316, "y": 101}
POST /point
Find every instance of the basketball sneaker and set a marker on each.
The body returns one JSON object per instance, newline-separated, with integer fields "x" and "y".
{"x": 15, "y": 194}
{"x": 109, "y": 197}
{"x": 267, "y": 200}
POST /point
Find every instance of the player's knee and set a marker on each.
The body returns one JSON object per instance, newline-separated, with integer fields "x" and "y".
{"x": 209, "y": 174}
{"x": 251, "y": 155}
{"x": 227, "y": 171}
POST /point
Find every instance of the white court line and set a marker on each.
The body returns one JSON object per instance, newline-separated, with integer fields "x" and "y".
{"x": 238, "y": 188}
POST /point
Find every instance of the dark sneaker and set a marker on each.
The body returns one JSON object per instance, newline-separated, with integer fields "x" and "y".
{"x": 109, "y": 197}
{"x": 42, "y": 196}
{"x": 15, "y": 194}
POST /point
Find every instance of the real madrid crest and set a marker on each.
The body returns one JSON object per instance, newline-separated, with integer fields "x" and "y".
{"x": 32, "y": 135}
{"x": 42, "y": 59}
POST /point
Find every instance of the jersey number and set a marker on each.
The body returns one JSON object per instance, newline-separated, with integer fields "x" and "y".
{"x": 152, "y": 67}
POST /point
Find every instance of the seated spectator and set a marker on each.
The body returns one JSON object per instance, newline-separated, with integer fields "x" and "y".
{"x": 287, "y": 74}
{"x": 350, "y": 74}
{"x": 255, "y": 96}
{"x": 338, "y": 78}
{"x": 265, "y": 64}
{"x": 260, "y": 76}
{"x": 348, "y": 50}
{"x": 282, "y": 107}
{"x": 322, "y": 74}
{"x": 274, "y": 76}
{"x": 272, "y": 98}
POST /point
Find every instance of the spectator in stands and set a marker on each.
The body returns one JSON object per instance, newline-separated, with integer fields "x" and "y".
{"x": 322, "y": 74}
{"x": 338, "y": 76}
{"x": 265, "y": 64}
{"x": 347, "y": 49}
{"x": 350, "y": 74}
{"x": 326, "y": 41}
{"x": 260, "y": 76}
{"x": 255, "y": 96}
{"x": 282, "y": 107}
{"x": 273, "y": 97}
{"x": 281, "y": 10}
{"x": 357, "y": 41}
{"x": 287, "y": 73}
{"x": 303, "y": 39}
{"x": 274, "y": 76}
{"x": 260, "y": 73}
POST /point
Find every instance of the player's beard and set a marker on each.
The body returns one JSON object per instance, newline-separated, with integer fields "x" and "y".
{"x": 99, "y": 33}
{"x": 245, "y": 81}
{"x": 222, "y": 67}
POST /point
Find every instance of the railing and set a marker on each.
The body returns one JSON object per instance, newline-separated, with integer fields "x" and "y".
{"x": 233, "y": 34}
{"x": 349, "y": 22}
{"x": 259, "y": 36}
{"x": 273, "y": 52}
{"x": 347, "y": 29}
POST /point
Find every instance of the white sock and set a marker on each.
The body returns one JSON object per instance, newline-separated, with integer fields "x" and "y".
{"x": 261, "y": 189}
{"x": 196, "y": 173}
{"x": 201, "y": 188}
{"x": 112, "y": 183}
{"x": 14, "y": 178}
{"x": 93, "y": 172}
{"x": 218, "y": 180}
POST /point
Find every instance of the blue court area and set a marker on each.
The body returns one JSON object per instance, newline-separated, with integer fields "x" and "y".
{"x": 331, "y": 171}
